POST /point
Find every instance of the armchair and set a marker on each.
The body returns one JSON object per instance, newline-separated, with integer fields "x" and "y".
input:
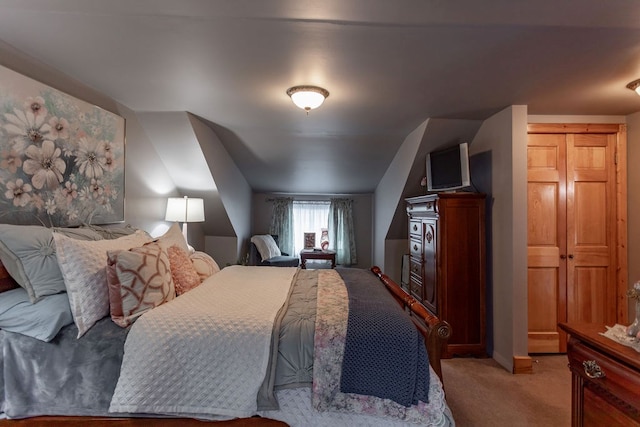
{"x": 282, "y": 260}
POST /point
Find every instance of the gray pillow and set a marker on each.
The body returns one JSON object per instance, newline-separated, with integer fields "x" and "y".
{"x": 28, "y": 253}
{"x": 112, "y": 232}
{"x": 42, "y": 320}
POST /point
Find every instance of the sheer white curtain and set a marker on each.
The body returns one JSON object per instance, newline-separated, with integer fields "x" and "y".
{"x": 308, "y": 217}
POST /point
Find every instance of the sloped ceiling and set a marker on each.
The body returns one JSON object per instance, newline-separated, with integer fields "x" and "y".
{"x": 388, "y": 65}
{"x": 180, "y": 150}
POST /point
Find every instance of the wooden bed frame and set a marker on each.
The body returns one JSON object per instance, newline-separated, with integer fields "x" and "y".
{"x": 436, "y": 332}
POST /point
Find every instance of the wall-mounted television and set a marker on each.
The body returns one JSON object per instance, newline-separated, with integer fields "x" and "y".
{"x": 448, "y": 168}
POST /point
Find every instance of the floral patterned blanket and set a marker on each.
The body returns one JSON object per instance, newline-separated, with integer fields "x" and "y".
{"x": 332, "y": 320}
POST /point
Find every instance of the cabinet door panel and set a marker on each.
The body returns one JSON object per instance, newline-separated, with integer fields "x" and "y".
{"x": 429, "y": 264}
{"x": 587, "y": 298}
{"x": 598, "y": 412}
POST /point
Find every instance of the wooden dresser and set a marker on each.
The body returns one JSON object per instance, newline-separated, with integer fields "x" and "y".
{"x": 447, "y": 265}
{"x": 605, "y": 378}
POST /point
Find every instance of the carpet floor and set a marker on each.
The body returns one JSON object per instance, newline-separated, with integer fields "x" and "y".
{"x": 482, "y": 393}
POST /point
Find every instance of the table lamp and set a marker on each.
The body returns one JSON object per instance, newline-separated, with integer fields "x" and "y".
{"x": 185, "y": 210}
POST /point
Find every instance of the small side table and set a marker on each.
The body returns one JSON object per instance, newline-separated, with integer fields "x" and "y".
{"x": 306, "y": 254}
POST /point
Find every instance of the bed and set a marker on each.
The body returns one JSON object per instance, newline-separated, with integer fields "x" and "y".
{"x": 245, "y": 346}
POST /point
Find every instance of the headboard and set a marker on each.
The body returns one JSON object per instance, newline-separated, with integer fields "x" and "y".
{"x": 6, "y": 281}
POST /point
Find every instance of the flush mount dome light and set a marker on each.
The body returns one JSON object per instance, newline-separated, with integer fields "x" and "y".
{"x": 307, "y": 97}
{"x": 635, "y": 86}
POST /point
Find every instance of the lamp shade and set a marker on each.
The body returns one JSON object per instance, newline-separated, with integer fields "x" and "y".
{"x": 185, "y": 209}
{"x": 307, "y": 97}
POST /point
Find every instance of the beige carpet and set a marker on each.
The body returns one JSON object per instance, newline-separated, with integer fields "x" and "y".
{"x": 482, "y": 393}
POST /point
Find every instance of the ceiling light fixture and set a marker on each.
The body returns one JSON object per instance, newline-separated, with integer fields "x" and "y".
{"x": 635, "y": 86}
{"x": 307, "y": 97}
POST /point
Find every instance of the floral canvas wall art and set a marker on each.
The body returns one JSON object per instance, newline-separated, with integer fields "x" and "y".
{"x": 61, "y": 159}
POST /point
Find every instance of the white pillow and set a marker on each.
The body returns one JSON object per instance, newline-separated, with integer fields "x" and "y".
{"x": 267, "y": 247}
{"x": 205, "y": 265}
{"x": 83, "y": 267}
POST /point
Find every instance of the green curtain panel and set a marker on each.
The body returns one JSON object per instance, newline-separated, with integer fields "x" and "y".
{"x": 282, "y": 223}
{"x": 341, "y": 231}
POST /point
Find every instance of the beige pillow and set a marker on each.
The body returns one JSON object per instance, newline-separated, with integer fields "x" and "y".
{"x": 173, "y": 236}
{"x": 139, "y": 280}
{"x": 204, "y": 265}
{"x": 82, "y": 264}
{"x": 184, "y": 274}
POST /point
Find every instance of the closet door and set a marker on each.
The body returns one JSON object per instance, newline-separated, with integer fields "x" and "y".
{"x": 572, "y": 232}
{"x": 591, "y": 235}
{"x": 547, "y": 243}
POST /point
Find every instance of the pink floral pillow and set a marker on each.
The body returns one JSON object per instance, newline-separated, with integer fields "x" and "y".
{"x": 139, "y": 279}
{"x": 205, "y": 265}
{"x": 184, "y": 274}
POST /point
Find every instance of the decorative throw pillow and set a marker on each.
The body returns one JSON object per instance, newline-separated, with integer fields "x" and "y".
{"x": 28, "y": 254}
{"x": 42, "y": 320}
{"x": 112, "y": 232}
{"x": 267, "y": 247}
{"x": 139, "y": 280}
{"x": 83, "y": 268}
{"x": 172, "y": 237}
{"x": 204, "y": 265}
{"x": 185, "y": 276}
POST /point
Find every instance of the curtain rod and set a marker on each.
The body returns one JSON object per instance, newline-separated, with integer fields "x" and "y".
{"x": 307, "y": 200}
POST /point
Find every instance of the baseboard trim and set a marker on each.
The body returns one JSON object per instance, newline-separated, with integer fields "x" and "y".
{"x": 522, "y": 365}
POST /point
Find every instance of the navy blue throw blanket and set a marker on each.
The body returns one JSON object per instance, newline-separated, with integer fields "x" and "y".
{"x": 384, "y": 353}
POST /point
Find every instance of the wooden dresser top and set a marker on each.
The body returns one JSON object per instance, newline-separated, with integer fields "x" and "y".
{"x": 590, "y": 334}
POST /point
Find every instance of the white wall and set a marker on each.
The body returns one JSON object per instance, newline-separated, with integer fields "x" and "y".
{"x": 389, "y": 194}
{"x": 633, "y": 201}
{"x": 147, "y": 182}
{"x": 222, "y": 249}
{"x": 505, "y": 136}
{"x": 233, "y": 189}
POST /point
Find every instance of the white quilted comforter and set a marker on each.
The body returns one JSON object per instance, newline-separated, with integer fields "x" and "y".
{"x": 206, "y": 352}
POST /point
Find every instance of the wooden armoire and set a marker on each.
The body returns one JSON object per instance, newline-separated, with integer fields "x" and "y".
{"x": 447, "y": 265}
{"x": 576, "y": 204}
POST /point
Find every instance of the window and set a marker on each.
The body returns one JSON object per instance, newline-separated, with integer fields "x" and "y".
{"x": 308, "y": 217}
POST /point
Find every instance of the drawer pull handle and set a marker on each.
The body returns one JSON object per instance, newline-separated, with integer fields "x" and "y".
{"x": 415, "y": 227}
{"x": 415, "y": 248}
{"x": 592, "y": 369}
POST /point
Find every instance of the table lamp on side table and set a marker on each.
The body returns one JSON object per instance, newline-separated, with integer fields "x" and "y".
{"x": 185, "y": 210}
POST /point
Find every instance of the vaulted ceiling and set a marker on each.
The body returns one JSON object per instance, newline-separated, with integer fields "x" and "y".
{"x": 388, "y": 66}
